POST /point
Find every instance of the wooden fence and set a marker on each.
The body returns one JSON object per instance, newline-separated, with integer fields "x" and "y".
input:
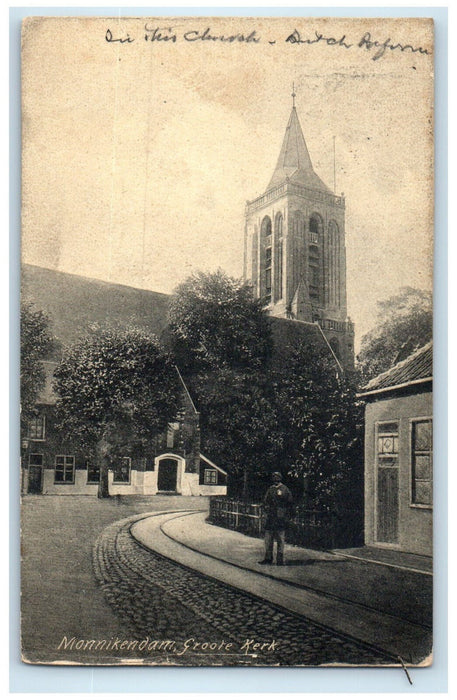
{"x": 307, "y": 528}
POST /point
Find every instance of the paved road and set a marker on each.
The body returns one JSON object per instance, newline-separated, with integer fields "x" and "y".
{"x": 160, "y": 600}
{"x": 59, "y": 595}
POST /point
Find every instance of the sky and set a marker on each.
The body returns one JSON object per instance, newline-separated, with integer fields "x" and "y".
{"x": 138, "y": 157}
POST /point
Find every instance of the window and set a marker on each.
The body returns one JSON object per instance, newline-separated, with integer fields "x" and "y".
{"x": 36, "y": 460}
{"x": 121, "y": 470}
{"x": 421, "y": 462}
{"x": 210, "y": 476}
{"x": 314, "y": 276}
{"x": 36, "y": 428}
{"x": 268, "y": 272}
{"x": 314, "y": 257}
{"x": 93, "y": 473}
{"x": 265, "y": 233}
{"x": 278, "y": 256}
{"x": 266, "y": 227}
{"x": 388, "y": 444}
{"x": 64, "y": 469}
{"x": 334, "y": 263}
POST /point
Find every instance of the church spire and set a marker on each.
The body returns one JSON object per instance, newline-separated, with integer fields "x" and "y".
{"x": 294, "y": 162}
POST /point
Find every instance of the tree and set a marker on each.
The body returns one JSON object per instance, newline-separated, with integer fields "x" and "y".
{"x": 36, "y": 345}
{"x": 215, "y": 321}
{"x": 322, "y": 431}
{"x": 404, "y": 324}
{"x": 116, "y": 387}
{"x": 238, "y": 426}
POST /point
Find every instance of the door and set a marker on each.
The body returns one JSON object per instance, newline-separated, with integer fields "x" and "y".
{"x": 387, "y": 484}
{"x": 387, "y": 505}
{"x": 167, "y": 475}
{"x": 35, "y": 477}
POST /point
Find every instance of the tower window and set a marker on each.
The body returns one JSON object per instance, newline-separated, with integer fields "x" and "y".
{"x": 266, "y": 260}
{"x": 314, "y": 224}
{"x": 334, "y": 264}
{"x": 268, "y": 272}
{"x": 314, "y": 258}
{"x": 278, "y": 256}
{"x": 266, "y": 227}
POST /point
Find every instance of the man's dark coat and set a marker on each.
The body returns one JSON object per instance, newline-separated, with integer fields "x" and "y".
{"x": 278, "y": 507}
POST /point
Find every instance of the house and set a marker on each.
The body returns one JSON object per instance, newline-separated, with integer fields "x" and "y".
{"x": 171, "y": 464}
{"x": 399, "y": 454}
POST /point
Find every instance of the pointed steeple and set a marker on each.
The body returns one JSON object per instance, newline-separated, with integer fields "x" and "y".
{"x": 294, "y": 162}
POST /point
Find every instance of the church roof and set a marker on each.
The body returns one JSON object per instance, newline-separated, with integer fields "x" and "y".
{"x": 74, "y": 303}
{"x": 294, "y": 161}
{"x": 289, "y": 334}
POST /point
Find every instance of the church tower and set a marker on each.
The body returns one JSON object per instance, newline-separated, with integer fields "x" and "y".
{"x": 294, "y": 252}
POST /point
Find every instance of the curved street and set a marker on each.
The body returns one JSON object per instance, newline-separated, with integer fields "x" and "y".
{"x": 160, "y": 597}
{"x": 149, "y": 581}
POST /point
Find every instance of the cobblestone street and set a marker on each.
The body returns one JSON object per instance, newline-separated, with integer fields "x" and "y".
{"x": 159, "y": 600}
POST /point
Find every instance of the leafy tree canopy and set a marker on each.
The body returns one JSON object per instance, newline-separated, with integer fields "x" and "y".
{"x": 36, "y": 345}
{"x": 300, "y": 419}
{"x": 404, "y": 324}
{"x": 238, "y": 423}
{"x": 322, "y": 430}
{"x": 215, "y": 321}
{"x": 116, "y": 387}
{"x": 120, "y": 379}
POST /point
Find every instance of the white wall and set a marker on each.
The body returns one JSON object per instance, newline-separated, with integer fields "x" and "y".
{"x": 135, "y": 487}
{"x": 208, "y": 490}
{"x": 80, "y": 487}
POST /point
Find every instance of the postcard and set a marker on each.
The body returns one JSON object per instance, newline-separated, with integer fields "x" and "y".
{"x": 226, "y": 341}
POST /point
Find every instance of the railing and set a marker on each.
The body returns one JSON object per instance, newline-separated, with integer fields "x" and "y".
{"x": 328, "y": 324}
{"x": 307, "y": 528}
{"x": 237, "y": 515}
{"x": 294, "y": 188}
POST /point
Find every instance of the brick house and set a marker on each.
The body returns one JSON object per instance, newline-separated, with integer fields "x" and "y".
{"x": 399, "y": 455}
{"x": 171, "y": 463}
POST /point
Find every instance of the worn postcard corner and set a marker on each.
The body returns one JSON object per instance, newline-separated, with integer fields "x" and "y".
{"x": 226, "y": 341}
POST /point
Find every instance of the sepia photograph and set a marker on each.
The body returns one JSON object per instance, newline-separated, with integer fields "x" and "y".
{"x": 226, "y": 413}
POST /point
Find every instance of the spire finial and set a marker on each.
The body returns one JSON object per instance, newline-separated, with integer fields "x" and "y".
{"x": 293, "y": 95}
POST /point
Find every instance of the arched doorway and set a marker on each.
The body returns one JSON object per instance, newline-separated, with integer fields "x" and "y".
{"x": 167, "y": 474}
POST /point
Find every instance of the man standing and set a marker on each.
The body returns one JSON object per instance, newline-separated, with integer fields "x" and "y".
{"x": 278, "y": 509}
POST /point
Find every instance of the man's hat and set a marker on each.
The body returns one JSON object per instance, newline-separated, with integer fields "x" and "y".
{"x": 277, "y": 474}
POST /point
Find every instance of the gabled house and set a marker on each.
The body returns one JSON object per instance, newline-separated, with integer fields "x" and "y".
{"x": 399, "y": 455}
{"x": 171, "y": 463}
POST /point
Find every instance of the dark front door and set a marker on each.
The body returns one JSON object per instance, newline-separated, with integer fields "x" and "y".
{"x": 35, "y": 476}
{"x": 168, "y": 472}
{"x": 387, "y": 505}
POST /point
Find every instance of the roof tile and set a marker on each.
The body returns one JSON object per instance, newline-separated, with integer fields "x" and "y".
{"x": 417, "y": 366}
